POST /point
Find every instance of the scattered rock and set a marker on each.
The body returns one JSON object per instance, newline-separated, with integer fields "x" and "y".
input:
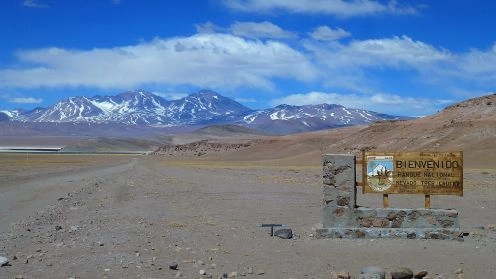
{"x": 250, "y": 270}
{"x": 402, "y": 273}
{"x": 4, "y": 261}
{"x": 58, "y": 227}
{"x": 19, "y": 276}
{"x": 421, "y": 274}
{"x": 372, "y": 272}
{"x": 74, "y": 228}
{"x": 340, "y": 275}
{"x": 179, "y": 274}
{"x": 173, "y": 266}
{"x": 202, "y": 272}
{"x": 459, "y": 271}
{"x": 284, "y": 233}
{"x": 233, "y": 274}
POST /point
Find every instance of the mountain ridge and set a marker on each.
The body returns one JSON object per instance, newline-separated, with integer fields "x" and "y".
{"x": 206, "y": 107}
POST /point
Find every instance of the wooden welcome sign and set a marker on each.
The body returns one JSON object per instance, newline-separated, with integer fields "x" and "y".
{"x": 428, "y": 173}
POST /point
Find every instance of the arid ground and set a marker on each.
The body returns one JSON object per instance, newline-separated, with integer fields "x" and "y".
{"x": 97, "y": 216}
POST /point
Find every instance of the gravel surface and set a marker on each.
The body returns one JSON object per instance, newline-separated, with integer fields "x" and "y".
{"x": 151, "y": 217}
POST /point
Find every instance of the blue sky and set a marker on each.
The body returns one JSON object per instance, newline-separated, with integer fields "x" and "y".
{"x": 398, "y": 57}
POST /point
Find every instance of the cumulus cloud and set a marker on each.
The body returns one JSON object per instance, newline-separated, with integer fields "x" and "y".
{"x": 387, "y": 103}
{"x": 202, "y": 60}
{"x": 208, "y": 27}
{"x": 341, "y": 8}
{"x": 246, "y": 100}
{"x": 34, "y": 4}
{"x": 246, "y": 29}
{"x": 260, "y": 30}
{"x": 226, "y": 61}
{"x": 21, "y": 100}
{"x": 326, "y": 33}
{"x": 476, "y": 64}
{"x": 391, "y": 52}
{"x": 28, "y": 100}
{"x": 171, "y": 95}
{"x": 358, "y": 64}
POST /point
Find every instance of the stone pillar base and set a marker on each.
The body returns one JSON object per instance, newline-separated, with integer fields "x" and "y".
{"x": 390, "y": 233}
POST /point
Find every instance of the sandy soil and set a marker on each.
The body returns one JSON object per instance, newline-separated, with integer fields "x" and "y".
{"x": 133, "y": 216}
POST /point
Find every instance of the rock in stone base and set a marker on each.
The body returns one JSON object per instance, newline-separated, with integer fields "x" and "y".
{"x": 402, "y": 273}
{"x": 371, "y": 276}
{"x": 3, "y": 261}
{"x": 284, "y": 233}
{"x": 372, "y": 272}
{"x": 340, "y": 275}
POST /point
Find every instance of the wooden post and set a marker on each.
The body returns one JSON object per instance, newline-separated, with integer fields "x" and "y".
{"x": 385, "y": 200}
{"x": 427, "y": 201}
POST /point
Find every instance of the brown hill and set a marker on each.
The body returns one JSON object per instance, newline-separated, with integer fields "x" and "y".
{"x": 468, "y": 126}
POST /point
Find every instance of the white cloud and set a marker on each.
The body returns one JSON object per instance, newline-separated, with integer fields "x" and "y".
{"x": 202, "y": 60}
{"x": 29, "y": 100}
{"x": 21, "y": 100}
{"x": 476, "y": 65}
{"x": 207, "y": 27}
{"x": 325, "y": 33}
{"x": 390, "y": 52}
{"x": 246, "y": 100}
{"x": 34, "y": 4}
{"x": 385, "y": 103}
{"x": 260, "y": 30}
{"x": 171, "y": 95}
{"x": 358, "y": 64}
{"x": 341, "y": 8}
{"x": 252, "y": 30}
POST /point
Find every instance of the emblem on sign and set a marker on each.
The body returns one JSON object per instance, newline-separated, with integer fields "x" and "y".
{"x": 380, "y": 172}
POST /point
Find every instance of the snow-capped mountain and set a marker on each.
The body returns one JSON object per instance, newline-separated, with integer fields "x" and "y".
{"x": 205, "y": 106}
{"x": 376, "y": 170}
{"x": 202, "y": 108}
{"x": 137, "y": 108}
{"x": 339, "y": 115}
{"x": 289, "y": 119}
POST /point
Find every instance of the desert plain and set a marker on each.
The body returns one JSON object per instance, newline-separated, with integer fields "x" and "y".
{"x": 200, "y": 206}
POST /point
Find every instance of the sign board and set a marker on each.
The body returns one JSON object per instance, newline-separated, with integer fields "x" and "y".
{"x": 428, "y": 173}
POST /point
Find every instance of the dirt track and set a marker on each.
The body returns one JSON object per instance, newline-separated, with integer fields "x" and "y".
{"x": 132, "y": 220}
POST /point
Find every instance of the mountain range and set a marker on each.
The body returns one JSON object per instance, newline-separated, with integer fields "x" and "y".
{"x": 204, "y": 108}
